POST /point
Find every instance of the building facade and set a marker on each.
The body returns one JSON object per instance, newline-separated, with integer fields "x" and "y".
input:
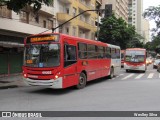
{"x": 82, "y": 26}
{"x": 135, "y": 14}
{"x": 119, "y": 7}
{"x": 136, "y": 19}
{"x": 146, "y": 30}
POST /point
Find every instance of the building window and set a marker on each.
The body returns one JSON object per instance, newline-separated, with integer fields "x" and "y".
{"x": 74, "y": 31}
{"x": 67, "y": 30}
{"x": 74, "y": 11}
{"x": 60, "y": 30}
{"x": 37, "y": 18}
{"x": 93, "y": 22}
{"x": 50, "y": 24}
{"x": 44, "y": 24}
{"x": 24, "y": 16}
{"x": 66, "y": 10}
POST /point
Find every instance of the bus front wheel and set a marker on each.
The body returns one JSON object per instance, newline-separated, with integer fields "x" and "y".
{"x": 82, "y": 81}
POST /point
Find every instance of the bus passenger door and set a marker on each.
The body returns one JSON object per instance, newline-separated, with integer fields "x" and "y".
{"x": 70, "y": 66}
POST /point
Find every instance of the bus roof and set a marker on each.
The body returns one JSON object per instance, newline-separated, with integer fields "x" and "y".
{"x": 113, "y": 46}
{"x": 135, "y": 49}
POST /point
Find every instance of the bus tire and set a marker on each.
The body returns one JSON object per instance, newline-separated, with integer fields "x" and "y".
{"x": 127, "y": 71}
{"x": 111, "y": 73}
{"x": 82, "y": 81}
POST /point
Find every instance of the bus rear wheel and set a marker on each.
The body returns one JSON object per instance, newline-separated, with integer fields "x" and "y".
{"x": 82, "y": 81}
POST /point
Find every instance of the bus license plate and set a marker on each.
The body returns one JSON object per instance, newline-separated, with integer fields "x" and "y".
{"x": 134, "y": 67}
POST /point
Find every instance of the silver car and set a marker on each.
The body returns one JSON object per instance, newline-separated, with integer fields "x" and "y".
{"x": 156, "y": 62}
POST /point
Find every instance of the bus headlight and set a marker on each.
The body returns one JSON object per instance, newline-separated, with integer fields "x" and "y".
{"x": 25, "y": 75}
{"x": 56, "y": 76}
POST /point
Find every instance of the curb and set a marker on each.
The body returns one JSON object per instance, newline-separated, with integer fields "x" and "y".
{"x": 8, "y": 86}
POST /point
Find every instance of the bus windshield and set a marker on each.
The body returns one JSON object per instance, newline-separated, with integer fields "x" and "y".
{"x": 135, "y": 56}
{"x": 42, "y": 55}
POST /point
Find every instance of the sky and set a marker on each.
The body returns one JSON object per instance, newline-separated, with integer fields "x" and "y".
{"x": 146, "y": 4}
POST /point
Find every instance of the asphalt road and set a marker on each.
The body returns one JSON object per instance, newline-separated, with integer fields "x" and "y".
{"x": 134, "y": 91}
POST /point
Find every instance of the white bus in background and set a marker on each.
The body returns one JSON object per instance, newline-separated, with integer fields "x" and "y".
{"x": 135, "y": 59}
{"x": 115, "y": 59}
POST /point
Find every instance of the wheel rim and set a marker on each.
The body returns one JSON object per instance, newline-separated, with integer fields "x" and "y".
{"x": 81, "y": 80}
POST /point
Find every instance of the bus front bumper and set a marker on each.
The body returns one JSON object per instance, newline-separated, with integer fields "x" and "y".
{"x": 128, "y": 67}
{"x": 57, "y": 83}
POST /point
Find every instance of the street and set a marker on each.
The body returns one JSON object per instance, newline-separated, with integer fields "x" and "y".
{"x": 133, "y": 91}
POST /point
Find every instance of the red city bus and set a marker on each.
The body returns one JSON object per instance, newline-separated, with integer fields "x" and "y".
{"x": 135, "y": 59}
{"x": 122, "y": 58}
{"x": 59, "y": 61}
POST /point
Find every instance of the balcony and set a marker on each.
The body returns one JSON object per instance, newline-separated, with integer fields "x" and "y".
{"x": 84, "y": 6}
{"x": 63, "y": 17}
{"x": 66, "y": 1}
{"x": 19, "y": 27}
{"x": 47, "y": 10}
{"x": 86, "y": 26}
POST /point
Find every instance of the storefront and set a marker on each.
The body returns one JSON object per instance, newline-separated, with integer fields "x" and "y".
{"x": 11, "y": 54}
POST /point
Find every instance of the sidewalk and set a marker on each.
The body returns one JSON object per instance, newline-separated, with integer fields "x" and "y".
{"x": 11, "y": 81}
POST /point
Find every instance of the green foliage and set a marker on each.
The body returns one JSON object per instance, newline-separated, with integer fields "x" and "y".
{"x": 116, "y": 31}
{"x": 136, "y": 42}
{"x": 17, "y": 5}
{"x": 153, "y": 13}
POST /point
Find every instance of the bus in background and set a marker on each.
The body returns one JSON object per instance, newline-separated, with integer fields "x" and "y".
{"x": 122, "y": 58}
{"x": 135, "y": 59}
{"x": 59, "y": 61}
{"x": 115, "y": 58}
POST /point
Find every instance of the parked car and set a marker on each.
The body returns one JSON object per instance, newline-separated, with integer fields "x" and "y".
{"x": 158, "y": 67}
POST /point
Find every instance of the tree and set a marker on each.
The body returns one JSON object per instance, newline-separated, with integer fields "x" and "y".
{"x": 153, "y": 13}
{"x": 17, "y": 5}
{"x": 137, "y": 41}
{"x": 116, "y": 31}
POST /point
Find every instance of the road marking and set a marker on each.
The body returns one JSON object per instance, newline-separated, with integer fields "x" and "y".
{"x": 127, "y": 76}
{"x": 159, "y": 75}
{"x": 150, "y": 75}
{"x": 139, "y": 76}
{"x": 121, "y": 74}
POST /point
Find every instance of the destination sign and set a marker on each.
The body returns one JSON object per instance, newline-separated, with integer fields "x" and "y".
{"x": 44, "y": 38}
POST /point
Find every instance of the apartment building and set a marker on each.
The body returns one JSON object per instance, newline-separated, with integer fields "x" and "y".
{"x": 136, "y": 19}
{"x": 14, "y": 28}
{"x": 82, "y": 26}
{"x": 119, "y": 8}
{"x": 146, "y": 30}
{"x": 135, "y": 14}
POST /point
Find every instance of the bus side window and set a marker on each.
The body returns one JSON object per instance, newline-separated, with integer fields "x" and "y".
{"x": 82, "y": 50}
{"x": 69, "y": 55}
{"x": 108, "y": 52}
{"x": 113, "y": 53}
{"x": 118, "y": 53}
